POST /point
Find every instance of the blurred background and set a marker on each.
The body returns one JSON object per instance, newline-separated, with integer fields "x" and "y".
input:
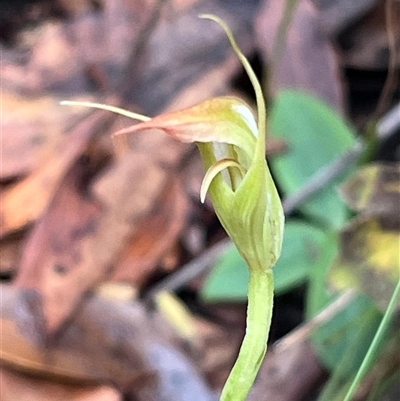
{"x": 117, "y": 284}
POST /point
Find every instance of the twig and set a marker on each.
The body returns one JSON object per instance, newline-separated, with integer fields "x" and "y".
{"x": 389, "y": 123}
{"x": 323, "y": 177}
{"x": 304, "y": 330}
{"x": 391, "y": 79}
{"x": 281, "y": 35}
{"x": 191, "y": 270}
{"x": 135, "y": 58}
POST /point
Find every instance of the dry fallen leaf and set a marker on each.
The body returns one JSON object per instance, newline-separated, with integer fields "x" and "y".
{"x": 156, "y": 234}
{"x": 366, "y": 45}
{"x": 24, "y": 202}
{"x": 288, "y": 372}
{"x": 107, "y": 341}
{"x": 10, "y": 251}
{"x": 32, "y": 132}
{"x": 63, "y": 55}
{"x": 182, "y": 53}
{"x": 16, "y": 386}
{"x": 79, "y": 239}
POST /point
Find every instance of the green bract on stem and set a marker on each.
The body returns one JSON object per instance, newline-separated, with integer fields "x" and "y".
{"x": 232, "y": 145}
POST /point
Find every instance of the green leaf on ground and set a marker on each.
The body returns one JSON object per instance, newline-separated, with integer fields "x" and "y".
{"x": 318, "y": 295}
{"x": 343, "y": 341}
{"x": 304, "y": 247}
{"x": 316, "y": 135}
{"x": 228, "y": 280}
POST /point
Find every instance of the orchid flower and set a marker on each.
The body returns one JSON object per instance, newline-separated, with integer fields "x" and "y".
{"x": 244, "y": 196}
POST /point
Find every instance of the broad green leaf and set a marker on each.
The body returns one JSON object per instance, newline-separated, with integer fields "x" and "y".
{"x": 317, "y": 292}
{"x": 305, "y": 249}
{"x": 343, "y": 341}
{"x": 316, "y": 135}
{"x": 229, "y": 279}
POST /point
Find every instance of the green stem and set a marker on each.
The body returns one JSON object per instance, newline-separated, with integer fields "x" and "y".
{"x": 254, "y": 345}
{"x": 375, "y": 343}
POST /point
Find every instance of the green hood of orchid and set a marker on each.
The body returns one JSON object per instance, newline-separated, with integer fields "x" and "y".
{"x": 232, "y": 145}
{"x": 237, "y": 178}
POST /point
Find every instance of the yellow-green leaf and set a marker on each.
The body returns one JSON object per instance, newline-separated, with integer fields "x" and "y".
{"x": 374, "y": 189}
{"x": 369, "y": 259}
